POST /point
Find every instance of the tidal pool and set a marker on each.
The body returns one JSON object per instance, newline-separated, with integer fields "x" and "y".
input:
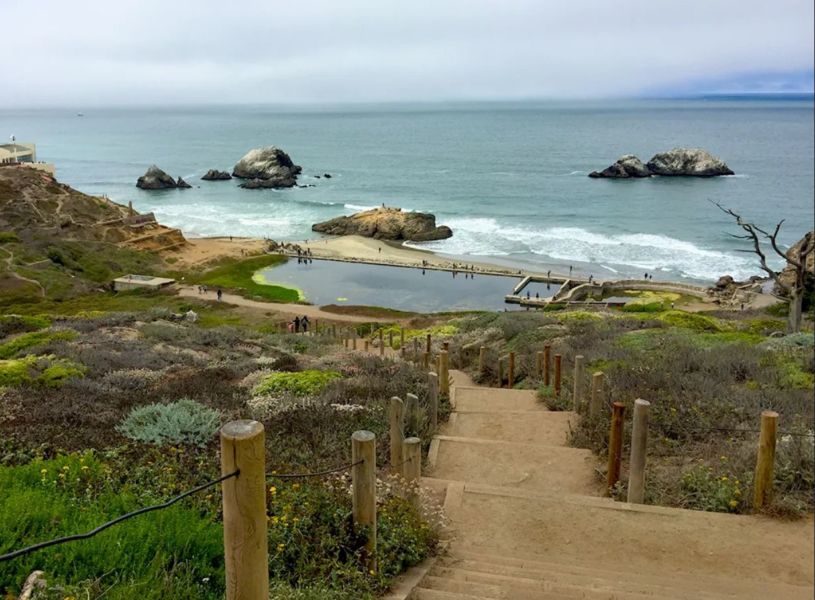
{"x": 332, "y": 282}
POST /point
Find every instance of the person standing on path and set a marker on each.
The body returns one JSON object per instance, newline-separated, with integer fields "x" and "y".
{"x": 219, "y": 294}
{"x": 296, "y": 324}
{"x": 304, "y": 323}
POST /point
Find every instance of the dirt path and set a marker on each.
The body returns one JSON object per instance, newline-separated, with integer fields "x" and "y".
{"x": 16, "y": 275}
{"x": 282, "y": 309}
{"x": 528, "y": 521}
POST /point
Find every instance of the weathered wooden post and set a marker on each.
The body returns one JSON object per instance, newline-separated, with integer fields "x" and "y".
{"x": 401, "y": 337}
{"x": 433, "y": 400}
{"x": 367, "y": 344}
{"x": 539, "y": 363}
{"x": 345, "y": 343}
{"x": 412, "y": 467}
{"x": 444, "y": 373}
{"x": 428, "y": 344}
{"x": 363, "y": 482}
{"x": 639, "y": 441}
{"x": 765, "y": 462}
{"x": 547, "y": 352}
{"x": 354, "y": 333}
{"x": 244, "y": 497}
{"x": 426, "y": 360}
{"x": 596, "y": 394}
{"x": 396, "y": 417}
{"x": 511, "y": 371}
{"x": 381, "y": 343}
{"x": 577, "y": 390}
{"x": 411, "y": 413}
{"x": 482, "y": 358}
{"x": 558, "y": 361}
{"x": 615, "y": 445}
{"x": 416, "y": 350}
{"x": 390, "y": 338}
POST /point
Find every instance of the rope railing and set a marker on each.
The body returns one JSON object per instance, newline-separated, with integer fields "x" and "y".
{"x": 274, "y": 475}
{"x": 116, "y": 521}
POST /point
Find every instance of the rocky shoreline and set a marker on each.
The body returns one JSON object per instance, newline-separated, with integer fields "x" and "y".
{"x": 387, "y": 223}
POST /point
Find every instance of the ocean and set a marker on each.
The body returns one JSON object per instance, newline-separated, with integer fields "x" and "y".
{"x": 510, "y": 179}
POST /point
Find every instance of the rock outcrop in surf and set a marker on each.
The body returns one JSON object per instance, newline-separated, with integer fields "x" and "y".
{"x": 156, "y": 179}
{"x": 387, "y": 223}
{"x": 679, "y": 162}
{"x": 268, "y": 167}
{"x": 216, "y": 175}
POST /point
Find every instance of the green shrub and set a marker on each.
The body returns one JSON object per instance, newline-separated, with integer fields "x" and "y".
{"x": 27, "y": 341}
{"x": 692, "y": 321}
{"x": 704, "y": 489}
{"x": 300, "y": 384}
{"x": 46, "y": 371}
{"x": 644, "y": 307}
{"x": 10, "y": 324}
{"x": 183, "y": 422}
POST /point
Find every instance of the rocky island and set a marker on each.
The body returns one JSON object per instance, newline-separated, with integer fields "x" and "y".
{"x": 679, "y": 162}
{"x": 216, "y": 175}
{"x": 268, "y": 167}
{"x": 386, "y": 223}
{"x": 157, "y": 179}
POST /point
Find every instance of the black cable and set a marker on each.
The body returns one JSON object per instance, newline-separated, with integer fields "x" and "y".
{"x": 93, "y": 532}
{"x": 734, "y": 430}
{"x": 316, "y": 474}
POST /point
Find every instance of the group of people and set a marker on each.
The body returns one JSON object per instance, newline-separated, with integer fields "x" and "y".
{"x": 202, "y": 289}
{"x": 299, "y": 324}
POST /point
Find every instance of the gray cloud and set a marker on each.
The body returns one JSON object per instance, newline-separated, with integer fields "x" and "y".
{"x": 95, "y": 52}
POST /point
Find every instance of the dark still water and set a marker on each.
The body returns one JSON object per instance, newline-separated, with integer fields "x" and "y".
{"x": 329, "y": 282}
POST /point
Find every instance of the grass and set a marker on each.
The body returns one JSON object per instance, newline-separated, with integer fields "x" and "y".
{"x": 375, "y": 312}
{"x": 301, "y": 383}
{"x": 239, "y": 275}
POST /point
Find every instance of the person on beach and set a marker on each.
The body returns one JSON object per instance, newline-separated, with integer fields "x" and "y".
{"x": 570, "y": 269}
{"x": 645, "y": 276}
{"x": 219, "y": 294}
{"x": 296, "y": 324}
{"x": 548, "y": 273}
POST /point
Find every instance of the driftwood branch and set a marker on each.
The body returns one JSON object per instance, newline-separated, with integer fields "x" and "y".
{"x": 752, "y": 234}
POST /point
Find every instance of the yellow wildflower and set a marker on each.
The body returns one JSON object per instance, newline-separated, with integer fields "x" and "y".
{"x": 273, "y": 490}
{"x": 733, "y": 503}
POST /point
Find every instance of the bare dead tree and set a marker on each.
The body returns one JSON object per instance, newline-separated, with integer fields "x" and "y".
{"x": 797, "y": 260}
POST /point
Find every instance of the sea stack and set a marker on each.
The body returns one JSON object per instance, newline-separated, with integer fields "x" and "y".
{"x": 387, "y": 223}
{"x": 216, "y": 175}
{"x": 156, "y": 179}
{"x": 268, "y": 167}
{"x": 679, "y": 162}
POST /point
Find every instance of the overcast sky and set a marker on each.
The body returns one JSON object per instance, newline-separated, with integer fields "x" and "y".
{"x": 86, "y": 52}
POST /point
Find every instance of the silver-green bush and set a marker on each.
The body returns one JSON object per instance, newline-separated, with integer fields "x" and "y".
{"x": 182, "y": 422}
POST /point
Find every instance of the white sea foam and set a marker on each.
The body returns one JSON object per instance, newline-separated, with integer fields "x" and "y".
{"x": 358, "y": 207}
{"x": 641, "y": 251}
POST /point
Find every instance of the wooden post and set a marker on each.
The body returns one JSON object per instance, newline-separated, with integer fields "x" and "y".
{"x": 367, "y": 345}
{"x": 547, "y": 352}
{"x": 416, "y": 350}
{"x": 639, "y": 441}
{"x": 433, "y": 401}
{"x": 381, "y": 343}
{"x": 345, "y": 343}
{"x": 445, "y": 346}
{"x": 429, "y": 344}
{"x": 412, "y": 467}
{"x": 596, "y": 394}
{"x": 390, "y": 338}
{"x": 558, "y": 364}
{"x": 397, "y": 430}
{"x": 511, "y": 373}
{"x": 539, "y": 363}
{"x": 363, "y": 482}
{"x": 615, "y": 445}
{"x": 244, "y": 497}
{"x": 577, "y": 390}
{"x": 411, "y": 414}
{"x": 765, "y": 463}
{"x": 316, "y": 326}
{"x": 444, "y": 374}
{"x": 401, "y": 337}
{"x": 500, "y": 372}
{"x": 426, "y": 360}
{"x": 482, "y": 357}
{"x": 355, "y": 338}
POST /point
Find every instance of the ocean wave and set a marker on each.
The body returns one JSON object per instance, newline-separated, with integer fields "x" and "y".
{"x": 641, "y": 251}
{"x": 358, "y": 207}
